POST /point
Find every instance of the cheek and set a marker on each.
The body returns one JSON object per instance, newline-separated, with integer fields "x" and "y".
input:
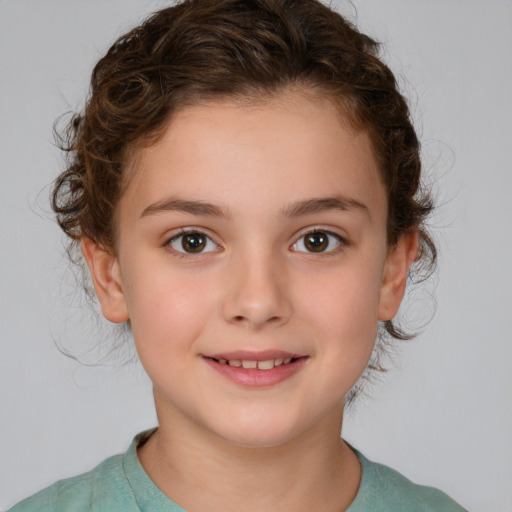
{"x": 167, "y": 314}
{"x": 347, "y": 299}
{"x": 343, "y": 308}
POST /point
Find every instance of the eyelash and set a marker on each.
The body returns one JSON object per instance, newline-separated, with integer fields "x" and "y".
{"x": 332, "y": 237}
{"x": 208, "y": 242}
{"x": 298, "y": 246}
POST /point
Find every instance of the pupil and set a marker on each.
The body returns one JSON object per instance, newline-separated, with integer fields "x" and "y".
{"x": 193, "y": 242}
{"x": 317, "y": 242}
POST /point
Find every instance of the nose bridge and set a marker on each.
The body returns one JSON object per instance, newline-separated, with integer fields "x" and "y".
{"x": 257, "y": 294}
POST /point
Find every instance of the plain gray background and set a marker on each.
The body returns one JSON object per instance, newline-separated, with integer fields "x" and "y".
{"x": 443, "y": 416}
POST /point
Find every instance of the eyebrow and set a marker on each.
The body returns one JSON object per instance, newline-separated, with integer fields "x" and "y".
{"x": 323, "y": 204}
{"x": 306, "y": 207}
{"x": 187, "y": 206}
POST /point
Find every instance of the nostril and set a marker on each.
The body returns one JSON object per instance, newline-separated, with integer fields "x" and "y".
{"x": 243, "y": 319}
{"x": 255, "y": 307}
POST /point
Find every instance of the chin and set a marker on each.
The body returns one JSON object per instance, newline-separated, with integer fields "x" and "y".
{"x": 263, "y": 432}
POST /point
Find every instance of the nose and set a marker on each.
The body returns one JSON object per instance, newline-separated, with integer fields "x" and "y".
{"x": 257, "y": 292}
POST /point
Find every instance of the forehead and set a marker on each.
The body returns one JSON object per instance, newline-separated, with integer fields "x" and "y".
{"x": 287, "y": 148}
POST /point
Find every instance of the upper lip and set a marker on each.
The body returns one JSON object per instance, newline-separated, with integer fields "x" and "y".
{"x": 248, "y": 355}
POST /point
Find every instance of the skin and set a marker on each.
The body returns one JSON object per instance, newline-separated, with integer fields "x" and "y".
{"x": 255, "y": 287}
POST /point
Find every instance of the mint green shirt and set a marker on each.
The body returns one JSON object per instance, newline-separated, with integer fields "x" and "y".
{"x": 120, "y": 484}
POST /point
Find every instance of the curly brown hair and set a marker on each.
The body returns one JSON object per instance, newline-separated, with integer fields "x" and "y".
{"x": 208, "y": 49}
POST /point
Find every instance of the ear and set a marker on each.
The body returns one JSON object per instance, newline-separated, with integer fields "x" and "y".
{"x": 399, "y": 259}
{"x": 106, "y": 277}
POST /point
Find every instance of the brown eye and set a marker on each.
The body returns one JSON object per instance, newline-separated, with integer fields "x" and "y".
{"x": 193, "y": 242}
{"x": 318, "y": 241}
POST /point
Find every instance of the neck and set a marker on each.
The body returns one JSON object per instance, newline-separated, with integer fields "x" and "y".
{"x": 315, "y": 471}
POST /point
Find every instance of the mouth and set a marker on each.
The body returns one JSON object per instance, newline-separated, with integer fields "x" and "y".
{"x": 262, "y": 369}
{"x": 248, "y": 364}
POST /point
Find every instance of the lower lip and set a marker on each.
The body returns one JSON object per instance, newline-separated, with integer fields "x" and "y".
{"x": 254, "y": 378}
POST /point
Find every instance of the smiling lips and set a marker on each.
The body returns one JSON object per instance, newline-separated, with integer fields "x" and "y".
{"x": 260, "y": 365}
{"x": 260, "y": 369}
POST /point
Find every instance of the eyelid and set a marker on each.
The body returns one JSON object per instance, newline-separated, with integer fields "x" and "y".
{"x": 187, "y": 231}
{"x": 341, "y": 240}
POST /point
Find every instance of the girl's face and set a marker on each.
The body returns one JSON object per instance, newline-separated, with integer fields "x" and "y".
{"x": 253, "y": 267}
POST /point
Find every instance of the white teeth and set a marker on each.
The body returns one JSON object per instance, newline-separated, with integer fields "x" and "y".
{"x": 260, "y": 365}
{"x": 266, "y": 365}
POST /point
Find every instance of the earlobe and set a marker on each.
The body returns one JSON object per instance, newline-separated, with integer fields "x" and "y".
{"x": 104, "y": 268}
{"x": 398, "y": 261}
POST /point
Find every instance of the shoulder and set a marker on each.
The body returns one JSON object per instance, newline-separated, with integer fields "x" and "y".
{"x": 104, "y": 486}
{"x": 383, "y": 489}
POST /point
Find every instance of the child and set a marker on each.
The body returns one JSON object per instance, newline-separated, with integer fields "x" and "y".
{"x": 245, "y": 190}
